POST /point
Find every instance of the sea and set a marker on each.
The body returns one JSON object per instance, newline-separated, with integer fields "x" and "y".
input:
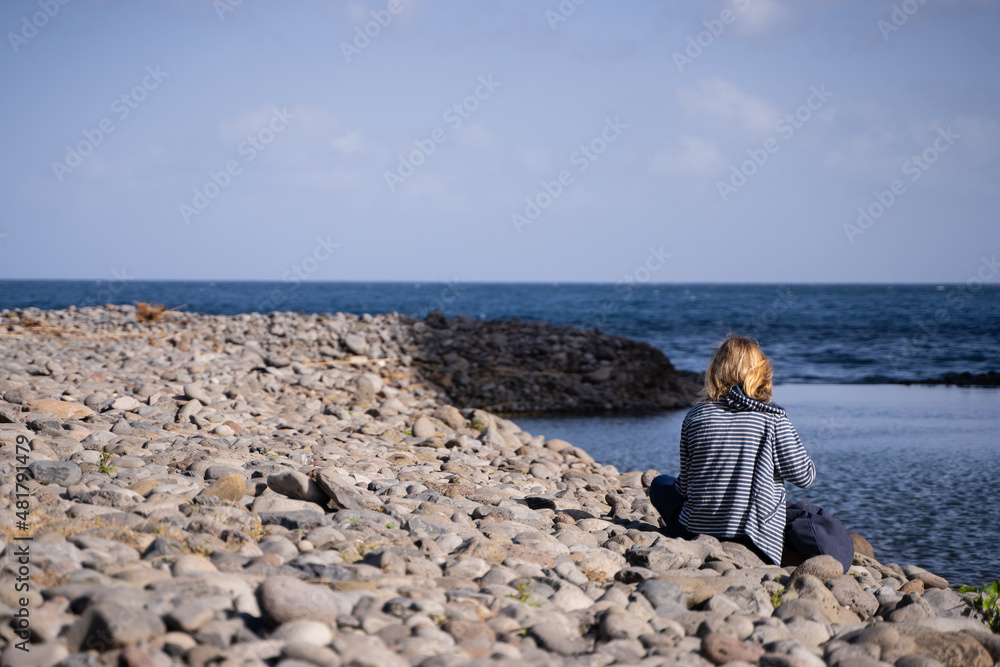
{"x": 913, "y": 467}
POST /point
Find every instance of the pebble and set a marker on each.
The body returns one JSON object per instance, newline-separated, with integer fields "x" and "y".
{"x": 38, "y": 655}
{"x": 558, "y": 639}
{"x": 112, "y": 625}
{"x": 63, "y": 473}
{"x": 283, "y": 599}
{"x": 230, "y": 487}
{"x": 126, "y": 404}
{"x": 195, "y": 392}
{"x": 191, "y": 563}
{"x": 930, "y": 580}
{"x": 824, "y": 568}
{"x": 355, "y": 343}
{"x": 189, "y": 410}
{"x": 305, "y": 632}
{"x": 295, "y": 485}
{"x": 722, "y": 649}
{"x": 423, "y": 428}
{"x": 61, "y": 409}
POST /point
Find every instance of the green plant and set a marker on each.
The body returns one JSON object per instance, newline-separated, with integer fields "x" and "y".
{"x": 408, "y": 432}
{"x": 354, "y": 522}
{"x": 389, "y": 526}
{"x": 256, "y": 529}
{"x": 523, "y": 591}
{"x": 987, "y": 603}
{"x": 105, "y": 464}
{"x": 776, "y": 597}
{"x": 478, "y": 425}
{"x": 365, "y": 547}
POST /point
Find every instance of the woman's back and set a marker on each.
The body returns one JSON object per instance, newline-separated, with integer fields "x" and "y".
{"x": 737, "y": 449}
{"x": 735, "y": 454}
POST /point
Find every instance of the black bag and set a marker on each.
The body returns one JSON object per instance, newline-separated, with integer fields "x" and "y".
{"x": 812, "y": 531}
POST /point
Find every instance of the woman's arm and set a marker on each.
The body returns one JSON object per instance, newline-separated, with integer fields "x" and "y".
{"x": 682, "y": 478}
{"x": 791, "y": 461}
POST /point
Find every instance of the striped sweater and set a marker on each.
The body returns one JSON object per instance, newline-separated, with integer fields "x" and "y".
{"x": 721, "y": 444}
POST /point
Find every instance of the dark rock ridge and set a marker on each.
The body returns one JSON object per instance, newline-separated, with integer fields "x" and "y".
{"x": 524, "y": 367}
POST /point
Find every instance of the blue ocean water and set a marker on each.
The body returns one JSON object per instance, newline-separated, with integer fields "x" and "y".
{"x": 915, "y": 469}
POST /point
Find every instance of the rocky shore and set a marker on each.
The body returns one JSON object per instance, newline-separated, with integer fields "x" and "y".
{"x": 302, "y": 490}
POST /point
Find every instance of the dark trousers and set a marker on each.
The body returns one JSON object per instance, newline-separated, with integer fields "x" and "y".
{"x": 668, "y": 502}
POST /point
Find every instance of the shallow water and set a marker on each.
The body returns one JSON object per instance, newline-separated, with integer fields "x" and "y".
{"x": 916, "y": 470}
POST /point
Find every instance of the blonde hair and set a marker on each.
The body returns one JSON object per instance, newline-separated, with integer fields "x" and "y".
{"x": 739, "y": 361}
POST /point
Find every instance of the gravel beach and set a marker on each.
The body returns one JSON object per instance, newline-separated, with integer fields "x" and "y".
{"x": 298, "y": 490}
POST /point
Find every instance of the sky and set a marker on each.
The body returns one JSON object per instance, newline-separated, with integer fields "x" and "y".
{"x": 526, "y": 140}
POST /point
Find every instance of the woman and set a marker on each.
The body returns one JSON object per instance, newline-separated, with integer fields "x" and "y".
{"x": 737, "y": 450}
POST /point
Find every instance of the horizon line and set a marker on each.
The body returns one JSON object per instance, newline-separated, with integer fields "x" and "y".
{"x": 550, "y": 283}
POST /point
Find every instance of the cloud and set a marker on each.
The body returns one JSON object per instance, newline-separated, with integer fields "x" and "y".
{"x": 318, "y": 150}
{"x": 429, "y": 191}
{"x": 760, "y": 17}
{"x": 693, "y": 157}
{"x": 474, "y": 135}
{"x": 978, "y": 145}
{"x": 535, "y": 158}
{"x": 871, "y": 141}
{"x": 351, "y": 142}
{"x": 722, "y": 108}
{"x": 247, "y": 123}
{"x": 354, "y": 13}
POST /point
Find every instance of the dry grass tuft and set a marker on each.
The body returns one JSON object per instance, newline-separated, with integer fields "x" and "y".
{"x": 149, "y": 312}
{"x": 597, "y": 576}
{"x": 30, "y": 322}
